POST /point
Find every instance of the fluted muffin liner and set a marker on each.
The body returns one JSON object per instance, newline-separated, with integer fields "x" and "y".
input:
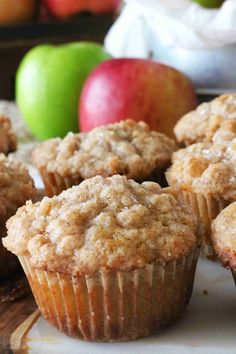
{"x": 55, "y": 183}
{"x": 206, "y": 208}
{"x": 114, "y": 305}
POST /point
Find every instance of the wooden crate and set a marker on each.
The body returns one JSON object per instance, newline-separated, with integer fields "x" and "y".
{"x": 15, "y": 41}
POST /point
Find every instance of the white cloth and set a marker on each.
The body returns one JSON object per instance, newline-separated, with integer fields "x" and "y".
{"x": 174, "y": 23}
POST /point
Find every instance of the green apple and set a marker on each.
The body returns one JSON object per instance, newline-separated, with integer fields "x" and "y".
{"x": 48, "y": 85}
{"x": 209, "y": 3}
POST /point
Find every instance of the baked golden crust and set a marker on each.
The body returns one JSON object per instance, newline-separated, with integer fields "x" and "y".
{"x": 16, "y": 186}
{"x": 127, "y": 148}
{"x": 224, "y": 236}
{"x": 205, "y": 168}
{"x": 203, "y": 124}
{"x": 104, "y": 223}
{"x": 8, "y": 140}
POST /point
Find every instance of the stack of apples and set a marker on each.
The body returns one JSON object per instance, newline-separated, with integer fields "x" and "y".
{"x": 66, "y": 8}
{"x": 17, "y": 11}
{"x": 79, "y": 86}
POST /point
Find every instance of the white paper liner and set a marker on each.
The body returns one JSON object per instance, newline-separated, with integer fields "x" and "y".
{"x": 55, "y": 183}
{"x": 114, "y": 306}
{"x": 206, "y": 208}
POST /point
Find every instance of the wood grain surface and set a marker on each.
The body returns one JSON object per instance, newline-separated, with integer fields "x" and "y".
{"x": 14, "y": 310}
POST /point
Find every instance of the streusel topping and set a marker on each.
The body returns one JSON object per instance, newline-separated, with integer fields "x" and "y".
{"x": 110, "y": 223}
{"x": 205, "y": 168}
{"x": 202, "y": 125}
{"x": 224, "y": 235}
{"x": 126, "y": 148}
{"x": 16, "y": 186}
{"x": 7, "y": 136}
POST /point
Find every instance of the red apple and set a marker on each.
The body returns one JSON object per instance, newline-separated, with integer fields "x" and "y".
{"x": 135, "y": 88}
{"x": 16, "y": 11}
{"x": 65, "y": 8}
{"x": 44, "y": 13}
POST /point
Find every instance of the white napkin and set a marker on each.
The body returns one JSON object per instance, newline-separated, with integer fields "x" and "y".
{"x": 175, "y": 23}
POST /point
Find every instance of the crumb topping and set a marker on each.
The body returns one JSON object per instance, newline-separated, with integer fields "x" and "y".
{"x": 205, "y": 168}
{"x": 203, "y": 124}
{"x": 127, "y": 148}
{"x": 7, "y": 136}
{"x": 224, "y": 235}
{"x": 111, "y": 223}
{"x": 16, "y": 186}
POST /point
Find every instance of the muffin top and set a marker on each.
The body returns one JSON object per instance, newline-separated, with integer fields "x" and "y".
{"x": 224, "y": 235}
{"x": 205, "y": 168}
{"x": 107, "y": 223}
{"x": 16, "y": 186}
{"x": 127, "y": 148}
{"x": 7, "y": 136}
{"x": 203, "y": 124}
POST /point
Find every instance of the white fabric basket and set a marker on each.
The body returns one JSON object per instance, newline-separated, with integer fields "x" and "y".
{"x": 195, "y": 40}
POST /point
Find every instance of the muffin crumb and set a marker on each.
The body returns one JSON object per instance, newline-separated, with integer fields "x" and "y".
{"x": 205, "y": 168}
{"x": 126, "y": 148}
{"x": 110, "y": 223}
{"x": 224, "y": 236}
{"x": 16, "y": 186}
{"x": 8, "y": 141}
{"x": 214, "y": 121}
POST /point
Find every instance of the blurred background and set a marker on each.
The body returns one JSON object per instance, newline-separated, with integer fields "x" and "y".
{"x": 27, "y": 23}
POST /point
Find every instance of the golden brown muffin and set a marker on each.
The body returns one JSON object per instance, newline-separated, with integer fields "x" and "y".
{"x": 214, "y": 121}
{"x": 109, "y": 259}
{"x": 16, "y": 187}
{"x": 126, "y": 148}
{"x": 204, "y": 175}
{"x": 8, "y": 140}
{"x": 224, "y": 237}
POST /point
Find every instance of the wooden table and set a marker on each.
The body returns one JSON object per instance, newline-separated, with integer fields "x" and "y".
{"x": 13, "y": 313}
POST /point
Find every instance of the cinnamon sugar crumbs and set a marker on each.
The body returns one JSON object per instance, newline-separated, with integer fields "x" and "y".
{"x": 205, "y": 168}
{"x": 16, "y": 186}
{"x": 127, "y": 148}
{"x": 214, "y": 121}
{"x": 111, "y": 223}
{"x": 224, "y": 236}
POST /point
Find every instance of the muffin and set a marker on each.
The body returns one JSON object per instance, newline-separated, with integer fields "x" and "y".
{"x": 204, "y": 177}
{"x": 7, "y": 136}
{"x": 109, "y": 259}
{"x": 224, "y": 237}
{"x": 126, "y": 148}
{"x": 214, "y": 121}
{"x": 16, "y": 187}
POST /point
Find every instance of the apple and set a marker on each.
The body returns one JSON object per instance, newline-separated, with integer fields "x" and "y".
{"x": 16, "y": 11}
{"x": 48, "y": 84}
{"x": 65, "y": 8}
{"x": 209, "y": 3}
{"x": 43, "y": 12}
{"x": 140, "y": 89}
